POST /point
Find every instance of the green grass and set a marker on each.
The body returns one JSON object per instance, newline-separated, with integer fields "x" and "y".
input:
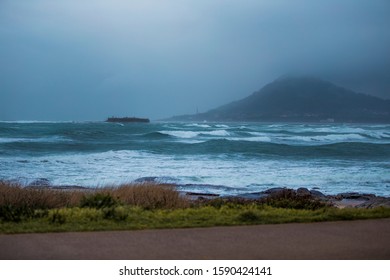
{"x": 137, "y": 218}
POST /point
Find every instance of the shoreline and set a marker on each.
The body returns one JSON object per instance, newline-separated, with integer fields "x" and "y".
{"x": 153, "y": 206}
{"x": 340, "y": 200}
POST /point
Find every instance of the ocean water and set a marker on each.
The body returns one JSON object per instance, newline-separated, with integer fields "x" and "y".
{"x": 222, "y": 158}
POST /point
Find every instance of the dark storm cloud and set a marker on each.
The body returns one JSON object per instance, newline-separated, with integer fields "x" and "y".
{"x": 90, "y": 59}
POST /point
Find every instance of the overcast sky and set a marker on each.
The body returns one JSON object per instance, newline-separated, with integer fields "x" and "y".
{"x": 90, "y": 59}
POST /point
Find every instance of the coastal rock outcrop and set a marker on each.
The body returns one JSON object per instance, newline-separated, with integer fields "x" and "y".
{"x": 342, "y": 200}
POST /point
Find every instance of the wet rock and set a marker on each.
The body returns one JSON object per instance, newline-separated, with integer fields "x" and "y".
{"x": 347, "y": 203}
{"x": 253, "y": 196}
{"x": 274, "y": 190}
{"x": 202, "y": 194}
{"x": 41, "y": 182}
{"x": 349, "y": 195}
{"x": 303, "y": 192}
{"x": 317, "y": 194}
{"x": 70, "y": 188}
{"x": 375, "y": 202}
{"x": 354, "y": 195}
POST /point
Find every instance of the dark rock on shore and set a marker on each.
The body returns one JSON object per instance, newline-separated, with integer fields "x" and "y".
{"x": 342, "y": 200}
{"x": 253, "y": 196}
{"x": 303, "y": 192}
{"x": 273, "y": 190}
{"x": 317, "y": 194}
{"x": 43, "y": 183}
{"x": 202, "y": 194}
{"x": 354, "y": 195}
{"x": 61, "y": 187}
{"x": 375, "y": 202}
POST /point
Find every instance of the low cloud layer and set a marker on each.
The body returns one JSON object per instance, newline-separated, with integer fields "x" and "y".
{"x": 86, "y": 60}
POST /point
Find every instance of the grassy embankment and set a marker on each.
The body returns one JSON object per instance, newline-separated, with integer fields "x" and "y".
{"x": 149, "y": 206}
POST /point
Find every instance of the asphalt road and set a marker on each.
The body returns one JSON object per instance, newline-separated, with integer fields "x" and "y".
{"x": 364, "y": 239}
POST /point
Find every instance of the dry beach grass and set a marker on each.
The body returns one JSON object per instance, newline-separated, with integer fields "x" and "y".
{"x": 19, "y": 200}
{"x": 13, "y": 194}
{"x": 147, "y": 195}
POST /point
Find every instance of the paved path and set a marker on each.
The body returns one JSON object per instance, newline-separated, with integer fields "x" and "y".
{"x": 369, "y": 239}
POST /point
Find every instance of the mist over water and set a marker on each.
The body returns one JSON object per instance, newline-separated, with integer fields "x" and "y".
{"x": 222, "y": 158}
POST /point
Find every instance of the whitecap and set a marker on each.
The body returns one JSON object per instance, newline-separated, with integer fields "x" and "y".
{"x": 377, "y": 134}
{"x": 216, "y": 133}
{"x": 52, "y": 139}
{"x": 181, "y": 133}
{"x": 193, "y": 134}
{"x": 328, "y": 138}
{"x": 198, "y": 125}
{"x": 10, "y": 140}
{"x": 192, "y": 141}
{"x": 221, "y": 126}
{"x": 251, "y": 139}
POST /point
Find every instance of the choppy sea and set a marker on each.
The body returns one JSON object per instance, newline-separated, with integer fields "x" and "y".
{"x": 221, "y": 158}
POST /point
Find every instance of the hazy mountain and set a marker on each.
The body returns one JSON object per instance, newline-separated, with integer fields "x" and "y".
{"x": 304, "y": 99}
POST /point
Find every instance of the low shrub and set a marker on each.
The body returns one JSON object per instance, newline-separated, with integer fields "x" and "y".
{"x": 226, "y": 202}
{"x": 248, "y": 217}
{"x": 98, "y": 200}
{"x": 57, "y": 217}
{"x": 11, "y": 213}
{"x": 115, "y": 213}
{"x": 289, "y": 198}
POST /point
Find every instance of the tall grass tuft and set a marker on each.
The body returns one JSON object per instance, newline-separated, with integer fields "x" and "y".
{"x": 17, "y": 202}
{"x": 150, "y": 196}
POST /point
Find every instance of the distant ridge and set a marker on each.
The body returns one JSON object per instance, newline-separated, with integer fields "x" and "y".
{"x": 303, "y": 99}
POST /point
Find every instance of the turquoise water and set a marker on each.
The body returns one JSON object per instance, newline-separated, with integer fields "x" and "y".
{"x": 223, "y": 158}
